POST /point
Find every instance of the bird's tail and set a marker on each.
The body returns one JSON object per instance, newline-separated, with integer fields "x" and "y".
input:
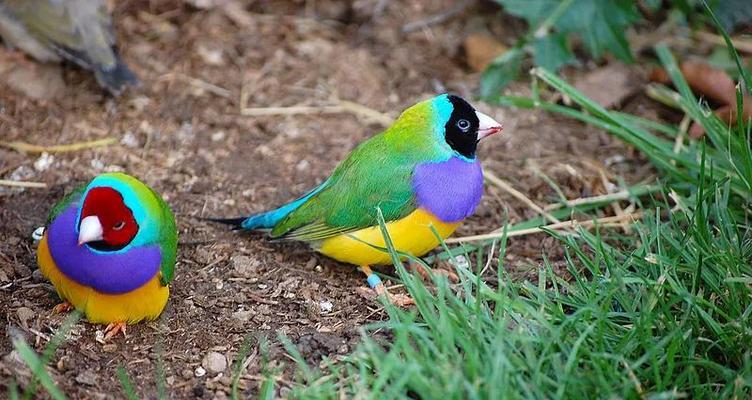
{"x": 260, "y": 221}
{"x": 115, "y": 78}
{"x": 267, "y": 219}
{"x": 235, "y": 222}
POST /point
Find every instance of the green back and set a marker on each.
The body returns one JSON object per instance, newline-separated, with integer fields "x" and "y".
{"x": 377, "y": 174}
{"x": 168, "y": 234}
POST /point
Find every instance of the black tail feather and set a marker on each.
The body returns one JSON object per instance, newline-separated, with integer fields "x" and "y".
{"x": 235, "y": 222}
{"x": 115, "y": 79}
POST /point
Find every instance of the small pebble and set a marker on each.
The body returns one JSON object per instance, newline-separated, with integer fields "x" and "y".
{"x": 24, "y": 315}
{"x": 186, "y": 374}
{"x": 244, "y": 266}
{"x": 200, "y": 371}
{"x": 87, "y": 377}
{"x": 218, "y": 136}
{"x": 242, "y": 315}
{"x": 326, "y": 306}
{"x": 44, "y": 162}
{"x": 109, "y": 348}
{"x": 129, "y": 140}
{"x": 214, "y": 362}
{"x": 303, "y": 165}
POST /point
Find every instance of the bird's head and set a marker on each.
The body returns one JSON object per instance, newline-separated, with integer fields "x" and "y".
{"x": 450, "y": 125}
{"x": 114, "y": 213}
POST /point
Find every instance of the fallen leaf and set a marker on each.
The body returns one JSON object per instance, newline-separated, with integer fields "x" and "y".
{"x": 714, "y": 84}
{"x": 481, "y": 49}
{"x": 608, "y": 85}
{"x": 703, "y": 78}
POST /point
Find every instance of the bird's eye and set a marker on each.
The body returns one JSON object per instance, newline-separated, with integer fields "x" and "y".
{"x": 118, "y": 226}
{"x": 463, "y": 124}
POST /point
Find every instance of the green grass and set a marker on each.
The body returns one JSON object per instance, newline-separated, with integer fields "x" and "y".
{"x": 668, "y": 316}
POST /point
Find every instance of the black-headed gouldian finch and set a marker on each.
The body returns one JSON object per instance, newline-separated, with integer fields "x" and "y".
{"x": 421, "y": 172}
{"x": 109, "y": 249}
{"x": 79, "y": 31}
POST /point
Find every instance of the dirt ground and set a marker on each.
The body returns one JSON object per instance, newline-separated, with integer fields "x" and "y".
{"x": 182, "y": 133}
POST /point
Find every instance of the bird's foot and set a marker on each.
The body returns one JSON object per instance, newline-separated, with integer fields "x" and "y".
{"x": 377, "y": 286}
{"x": 424, "y": 273}
{"x": 63, "y": 308}
{"x": 113, "y": 329}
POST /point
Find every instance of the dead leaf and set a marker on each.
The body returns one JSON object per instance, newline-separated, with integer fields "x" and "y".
{"x": 703, "y": 78}
{"x": 713, "y": 83}
{"x": 608, "y": 85}
{"x": 481, "y": 49}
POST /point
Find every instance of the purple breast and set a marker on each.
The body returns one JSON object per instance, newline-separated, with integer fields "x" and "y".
{"x": 450, "y": 190}
{"x": 106, "y": 272}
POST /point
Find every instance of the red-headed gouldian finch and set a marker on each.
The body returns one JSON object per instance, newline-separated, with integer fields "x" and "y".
{"x": 421, "y": 172}
{"x": 109, "y": 249}
{"x": 79, "y": 31}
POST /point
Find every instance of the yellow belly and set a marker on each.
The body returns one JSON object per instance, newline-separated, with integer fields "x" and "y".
{"x": 411, "y": 234}
{"x": 146, "y": 302}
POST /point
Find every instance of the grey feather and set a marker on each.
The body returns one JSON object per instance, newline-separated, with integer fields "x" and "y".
{"x": 79, "y": 31}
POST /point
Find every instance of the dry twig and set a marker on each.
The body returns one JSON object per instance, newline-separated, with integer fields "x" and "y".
{"x": 616, "y": 221}
{"x": 5, "y": 182}
{"x": 339, "y": 108}
{"x": 60, "y": 148}
{"x": 505, "y": 186}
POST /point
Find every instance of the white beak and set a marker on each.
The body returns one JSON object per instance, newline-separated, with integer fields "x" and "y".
{"x": 90, "y": 230}
{"x": 487, "y": 126}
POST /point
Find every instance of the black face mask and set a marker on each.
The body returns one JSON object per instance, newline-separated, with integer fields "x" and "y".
{"x": 461, "y": 131}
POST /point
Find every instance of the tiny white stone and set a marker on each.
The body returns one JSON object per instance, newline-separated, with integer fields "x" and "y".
{"x": 129, "y": 140}
{"x": 199, "y": 372}
{"x": 326, "y": 306}
{"x": 214, "y": 362}
{"x": 218, "y": 136}
{"x": 97, "y": 164}
{"x": 461, "y": 262}
{"x": 303, "y": 165}
{"x": 44, "y": 162}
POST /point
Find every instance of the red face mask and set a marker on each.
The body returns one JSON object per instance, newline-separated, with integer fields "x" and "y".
{"x": 118, "y": 226}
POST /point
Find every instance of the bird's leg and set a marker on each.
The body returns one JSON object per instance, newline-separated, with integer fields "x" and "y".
{"x": 113, "y": 329}
{"x": 63, "y": 308}
{"x": 400, "y": 300}
{"x": 423, "y": 272}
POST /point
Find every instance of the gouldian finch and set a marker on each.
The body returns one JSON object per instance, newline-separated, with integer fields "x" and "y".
{"x": 421, "y": 172}
{"x": 109, "y": 249}
{"x": 74, "y": 30}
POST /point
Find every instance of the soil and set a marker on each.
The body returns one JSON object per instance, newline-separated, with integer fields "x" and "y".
{"x": 183, "y": 134}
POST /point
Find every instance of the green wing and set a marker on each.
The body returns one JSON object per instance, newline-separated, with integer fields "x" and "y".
{"x": 64, "y": 203}
{"x": 372, "y": 177}
{"x": 169, "y": 240}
